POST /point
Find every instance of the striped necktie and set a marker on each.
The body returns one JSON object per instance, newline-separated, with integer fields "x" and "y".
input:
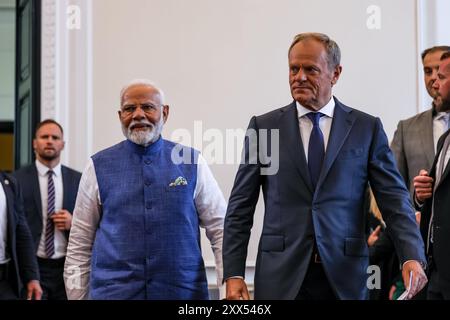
{"x": 50, "y": 227}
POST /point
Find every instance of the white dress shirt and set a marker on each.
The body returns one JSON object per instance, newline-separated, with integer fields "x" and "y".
{"x": 440, "y": 125}
{"x": 60, "y": 238}
{"x": 3, "y": 226}
{"x": 306, "y": 125}
{"x": 209, "y": 201}
{"x": 446, "y": 157}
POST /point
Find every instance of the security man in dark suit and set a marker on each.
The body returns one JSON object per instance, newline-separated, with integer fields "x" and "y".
{"x": 18, "y": 267}
{"x": 49, "y": 191}
{"x": 432, "y": 194}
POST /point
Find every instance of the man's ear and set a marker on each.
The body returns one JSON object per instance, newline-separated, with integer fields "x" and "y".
{"x": 336, "y": 74}
{"x": 165, "y": 112}
{"x": 34, "y": 144}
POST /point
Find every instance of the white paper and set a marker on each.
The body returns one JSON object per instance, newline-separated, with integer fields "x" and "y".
{"x": 404, "y": 295}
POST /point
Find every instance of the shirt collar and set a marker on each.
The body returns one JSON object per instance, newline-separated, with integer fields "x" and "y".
{"x": 43, "y": 169}
{"x": 440, "y": 115}
{"x": 327, "y": 110}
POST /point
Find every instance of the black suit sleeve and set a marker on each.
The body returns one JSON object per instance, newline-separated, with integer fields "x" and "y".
{"x": 241, "y": 207}
{"x": 382, "y": 249}
{"x": 28, "y": 267}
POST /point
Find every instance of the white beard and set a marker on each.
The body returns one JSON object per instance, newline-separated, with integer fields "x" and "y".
{"x": 143, "y": 137}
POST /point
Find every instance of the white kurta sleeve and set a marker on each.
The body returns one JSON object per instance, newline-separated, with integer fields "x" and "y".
{"x": 211, "y": 207}
{"x": 86, "y": 217}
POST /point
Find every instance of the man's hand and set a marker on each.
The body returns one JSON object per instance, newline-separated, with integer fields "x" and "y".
{"x": 423, "y": 184}
{"x": 419, "y": 278}
{"x": 374, "y": 236}
{"x": 392, "y": 291}
{"x": 237, "y": 289}
{"x": 62, "y": 220}
{"x": 418, "y": 216}
{"x": 34, "y": 290}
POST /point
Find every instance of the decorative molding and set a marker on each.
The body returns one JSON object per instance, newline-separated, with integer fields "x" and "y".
{"x": 48, "y": 62}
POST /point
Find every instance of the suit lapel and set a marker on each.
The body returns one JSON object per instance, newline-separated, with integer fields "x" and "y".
{"x": 36, "y": 190}
{"x": 427, "y": 138}
{"x": 343, "y": 121}
{"x": 65, "y": 187}
{"x": 290, "y": 139}
{"x": 11, "y": 219}
{"x": 447, "y": 167}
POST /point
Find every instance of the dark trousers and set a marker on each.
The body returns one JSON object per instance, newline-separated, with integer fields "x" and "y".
{"x": 438, "y": 288}
{"x": 6, "y": 291}
{"x": 315, "y": 286}
{"x": 52, "y": 281}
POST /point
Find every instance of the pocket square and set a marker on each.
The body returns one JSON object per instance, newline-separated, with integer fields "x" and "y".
{"x": 180, "y": 181}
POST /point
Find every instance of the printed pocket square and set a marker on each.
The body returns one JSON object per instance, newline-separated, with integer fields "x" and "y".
{"x": 180, "y": 181}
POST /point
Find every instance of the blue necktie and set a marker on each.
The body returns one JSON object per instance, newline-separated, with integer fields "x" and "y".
{"x": 316, "y": 148}
{"x": 50, "y": 227}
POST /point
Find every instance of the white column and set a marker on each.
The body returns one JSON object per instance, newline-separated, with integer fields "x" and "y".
{"x": 67, "y": 74}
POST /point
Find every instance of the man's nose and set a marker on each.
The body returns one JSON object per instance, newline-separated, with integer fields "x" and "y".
{"x": 138, "y": 113}
{"x": 435, "y": 84}
{"x": 300, "y": 76}
{"x": 434, "y": 75}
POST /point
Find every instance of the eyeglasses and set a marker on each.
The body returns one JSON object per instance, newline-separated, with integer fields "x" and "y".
{"x": 146, "y": 107}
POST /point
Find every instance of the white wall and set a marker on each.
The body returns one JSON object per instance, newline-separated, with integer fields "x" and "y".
{"x": 223, "y": 61}
{"x": 220, "y": 62}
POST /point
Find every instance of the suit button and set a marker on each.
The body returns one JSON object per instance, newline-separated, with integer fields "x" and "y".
{"x": 147, "y": 162}
{"x": 148, "y": 206}
{"x": 147, "y": 183}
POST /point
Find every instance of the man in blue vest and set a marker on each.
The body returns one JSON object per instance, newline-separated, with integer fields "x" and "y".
{"x": 135, "y": 230}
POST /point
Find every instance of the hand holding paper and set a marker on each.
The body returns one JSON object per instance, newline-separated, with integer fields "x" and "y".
{"x": 414, "y": 278}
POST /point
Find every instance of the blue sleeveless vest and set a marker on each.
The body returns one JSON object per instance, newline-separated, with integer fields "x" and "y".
{"x": 147, "y": 245}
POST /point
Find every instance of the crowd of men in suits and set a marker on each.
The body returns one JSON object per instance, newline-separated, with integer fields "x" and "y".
{"x": 133, "y": 231}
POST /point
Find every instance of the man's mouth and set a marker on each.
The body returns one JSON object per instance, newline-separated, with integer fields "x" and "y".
{"x": 140, "y": 126}
{"x": 302, "y": 88}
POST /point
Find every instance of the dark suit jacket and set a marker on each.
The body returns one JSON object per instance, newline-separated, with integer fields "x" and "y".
{"x": 23, "y": 265}
{"x": 357, "y": 153}
{"x": 29, "y": 182}
{"x": 441, "y": 236}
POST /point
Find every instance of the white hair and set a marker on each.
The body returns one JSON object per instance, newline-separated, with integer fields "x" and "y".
{"x": 142, "y": 82}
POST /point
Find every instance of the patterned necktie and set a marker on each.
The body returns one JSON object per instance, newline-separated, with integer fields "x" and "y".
{"x": 50, "y": 227}
{"x": 316, "y": 148}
